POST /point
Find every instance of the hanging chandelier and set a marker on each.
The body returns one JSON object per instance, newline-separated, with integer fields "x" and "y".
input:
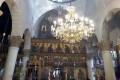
{"x": 72, "y": 28}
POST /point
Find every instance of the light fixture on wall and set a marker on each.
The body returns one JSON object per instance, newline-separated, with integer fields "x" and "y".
{"x": 72, "y": 28}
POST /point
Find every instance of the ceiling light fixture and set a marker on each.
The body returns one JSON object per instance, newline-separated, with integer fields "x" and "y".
{"x": 72, "y": 28}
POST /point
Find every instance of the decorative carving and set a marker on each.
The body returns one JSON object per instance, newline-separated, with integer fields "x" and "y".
{"x": 72, "y": 48}
{"x": 15, "y": 41}
{"x": 66, "y": 60}
{"x": 104, "y": 45}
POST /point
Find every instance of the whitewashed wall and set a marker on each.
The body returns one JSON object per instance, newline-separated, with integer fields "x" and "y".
{"x": 103, "y": 8}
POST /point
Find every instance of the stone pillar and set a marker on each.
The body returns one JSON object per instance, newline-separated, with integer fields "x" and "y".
{"x": 25, "y": 62}
{"x": 90, "y": 68}
{"x": 39, "y": 69}
{"x": 26, "y": 51}
{"x": 15, "y": 42}
{"x": 107, "y": 59}
{"x": 76, "y": 72}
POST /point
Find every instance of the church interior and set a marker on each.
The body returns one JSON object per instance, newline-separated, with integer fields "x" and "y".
{"x": 59, "y": 39}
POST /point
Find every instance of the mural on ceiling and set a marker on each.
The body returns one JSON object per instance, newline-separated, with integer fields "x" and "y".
{"x": 45, "y": 27}
{"x": 48, "y": 21}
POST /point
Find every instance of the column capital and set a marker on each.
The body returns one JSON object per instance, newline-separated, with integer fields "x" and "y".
{"x": 15, "y": 41}
{"x": 104, "y": 45}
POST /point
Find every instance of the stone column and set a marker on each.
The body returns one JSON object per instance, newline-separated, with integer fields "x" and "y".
{"x": 107, "y": 59}
{"x": 90, "y": 67}
{"x": 25, "y": 62}
{"x": 26, "y": 51}
{"x": 76, "y": 72}
{"x": 15, "y": 42}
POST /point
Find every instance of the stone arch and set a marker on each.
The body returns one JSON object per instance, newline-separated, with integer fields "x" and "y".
{"x": 107, "y": 24}
{"x": 111, "y": 7}
{"x": 105, "y": 43}
{"x": 17, "y": 24}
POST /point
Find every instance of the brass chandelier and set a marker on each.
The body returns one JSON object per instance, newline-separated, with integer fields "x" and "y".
{"x": 72, "y": 28}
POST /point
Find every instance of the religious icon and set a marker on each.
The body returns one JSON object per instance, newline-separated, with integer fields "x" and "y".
{"x": 50, "y": 49}
{"x": 59, "y": 49}
{"x": 43, "y": 29}
{"x": 42, "y": 48}
{"x": 67, "y": 49}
